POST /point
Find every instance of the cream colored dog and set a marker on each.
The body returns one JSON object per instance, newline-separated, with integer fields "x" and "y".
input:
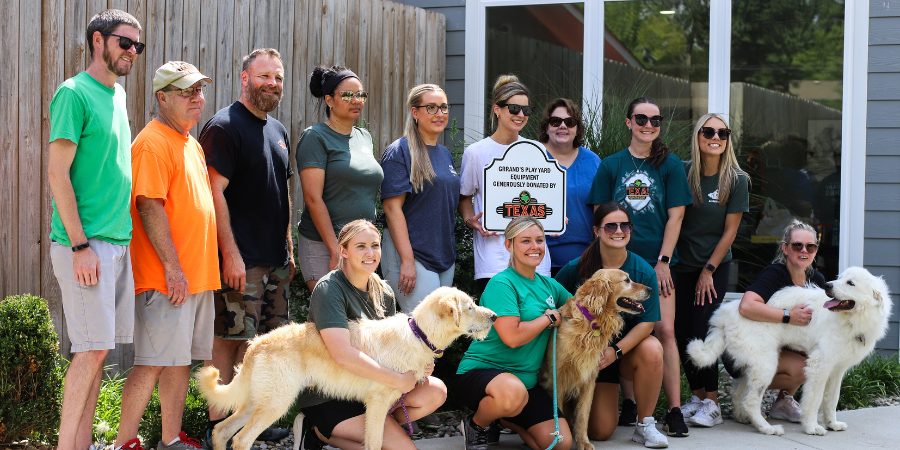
{"x": 279, "y": 364}
{"x": 590, "y": 319}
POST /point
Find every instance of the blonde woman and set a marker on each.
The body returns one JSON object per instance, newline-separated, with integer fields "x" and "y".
{"x": 720, "y": 191}
{"x": 420, "y": 194}
{"x": 354, "y": 291}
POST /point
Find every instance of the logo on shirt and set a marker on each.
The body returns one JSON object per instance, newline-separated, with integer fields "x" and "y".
{"x": 638, "y": 188}
{"x": 550, "y": 302}
{"x": 453, "y": 171}
{"x": 524, "y": 205}
{"x": 282, "y": 144}
{"x": 714, "y": 196}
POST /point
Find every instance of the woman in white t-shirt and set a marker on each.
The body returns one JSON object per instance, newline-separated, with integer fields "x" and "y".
{"x": 510, "y": 107}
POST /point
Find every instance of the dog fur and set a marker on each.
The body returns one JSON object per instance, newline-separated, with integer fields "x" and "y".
{"x": 279, "y": 364}
{"x": 846, "y": 323}
{"x": 579, "y": 342}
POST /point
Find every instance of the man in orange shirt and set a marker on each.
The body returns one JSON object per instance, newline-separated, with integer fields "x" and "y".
{"x": 174, "y": 254}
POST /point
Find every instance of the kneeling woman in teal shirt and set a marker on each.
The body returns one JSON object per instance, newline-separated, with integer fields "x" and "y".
{"x": 497, "y": 377}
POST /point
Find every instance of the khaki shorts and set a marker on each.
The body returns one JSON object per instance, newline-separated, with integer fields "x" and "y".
{"x": 313, "y": 257}
{"x": 167, "y": 335}
{"x": 262, "y": 307}
{"x": 100, "y": 316}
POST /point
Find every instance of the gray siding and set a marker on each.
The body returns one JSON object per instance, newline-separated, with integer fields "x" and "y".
{"x": 881, "y": 253}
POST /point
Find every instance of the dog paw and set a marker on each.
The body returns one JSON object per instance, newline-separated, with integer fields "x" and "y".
{"x": 772, "y": 430}
{"x": 584, "y": 445}
{"x": 837, "y": 426}
{"x": 815, "y": 430}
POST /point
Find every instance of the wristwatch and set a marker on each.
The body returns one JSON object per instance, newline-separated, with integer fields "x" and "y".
{"x": 618, "y": 351}
{"x": 663, "y": 259}
{"x": 80, "y": 247}
{"x": 552, "y": 319}
{"x": 786, "y": 318}
{"x": 711, "y": 268}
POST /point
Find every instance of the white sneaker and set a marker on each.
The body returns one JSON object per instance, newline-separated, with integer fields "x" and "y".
{"x": 645, "y": 432}
{"x": 786, "y": 408}
{"x": 691, "y": 407}
{"x": 708, "y": 416}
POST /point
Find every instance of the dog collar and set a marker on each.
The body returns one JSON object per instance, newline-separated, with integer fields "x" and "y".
{"x": 590, "y": 317}
{"x": 421, "y": 335}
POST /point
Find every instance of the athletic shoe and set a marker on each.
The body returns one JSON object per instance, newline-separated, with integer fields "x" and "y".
{"x": 628, "y": 416}
{"x": 708, "y": 416}
{"x": 207, "y": 440}
{"x": 786, "y": 408}
{"x": 133, "y": 444}
{"x": 493, "y": 433}
{"x": 675, "y": 425}
{"x": 691, "y": 407}
{"x": 182, "y": 442}
{"x": 476, "y": 437}
{"x": 273, "y": 434}
{"x": 646, "y": 433}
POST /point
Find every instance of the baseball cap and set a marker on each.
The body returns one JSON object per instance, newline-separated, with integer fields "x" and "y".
{"x": 179, "y": 74}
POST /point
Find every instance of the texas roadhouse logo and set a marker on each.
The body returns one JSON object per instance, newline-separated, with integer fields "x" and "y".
{"x": 524, "y": 205}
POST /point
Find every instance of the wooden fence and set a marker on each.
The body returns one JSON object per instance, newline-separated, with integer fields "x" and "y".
{"x": 391, "y": 46}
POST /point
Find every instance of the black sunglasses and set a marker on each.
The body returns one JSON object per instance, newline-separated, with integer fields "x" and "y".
{"x": 641, "y": 120}
{"x": 611, "y": 227}
{"x": 709, "y": 132}
{"x": 798, "y": 246}
{"x": 556, "y": 121}
{"x": 126, "y": 43}
{"x": 515, "y": 109}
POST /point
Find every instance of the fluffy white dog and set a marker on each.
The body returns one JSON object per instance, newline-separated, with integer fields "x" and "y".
{"x": 846, "y": 323}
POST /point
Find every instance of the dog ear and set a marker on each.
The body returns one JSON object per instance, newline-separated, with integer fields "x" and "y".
{"x": 450, "y": 308}
{"x": 877, "y": 295}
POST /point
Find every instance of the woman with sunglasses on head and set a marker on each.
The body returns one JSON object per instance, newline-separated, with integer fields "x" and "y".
{"x": 635, "y": 354}
{"x": 792, "y": 266}
{"x": 497, "y": 378}
{"x": 510, "y": 109}
{"x": 721, "y": 196}
{"x": 649, "y": 181}
{"x": 420, "y": 194}
{"x": 338, "y": 170}
{"x": 562, "y": 132}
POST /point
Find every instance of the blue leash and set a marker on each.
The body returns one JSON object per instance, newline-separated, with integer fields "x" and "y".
{"x": 555, "y": 434}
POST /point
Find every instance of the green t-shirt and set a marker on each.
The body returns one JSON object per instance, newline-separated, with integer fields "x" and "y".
{"x": 352, "y": 175}
{"x": 639, "y": 271}
{"x": 704, "y": 224}
{"x": 511, "y": 294}
{"x": 93, "y": 116}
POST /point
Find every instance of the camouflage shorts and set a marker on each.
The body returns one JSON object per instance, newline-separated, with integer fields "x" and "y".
{"x": 262, "y": 307}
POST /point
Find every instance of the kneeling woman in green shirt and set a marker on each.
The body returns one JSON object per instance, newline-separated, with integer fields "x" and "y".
{"x": 497, "y": 377}
{"x": 350, "y": 292}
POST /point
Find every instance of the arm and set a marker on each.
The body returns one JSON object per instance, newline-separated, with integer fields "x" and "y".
{"x": 467, "y": 212}
{"x": 292, "y": 265}
{"x": 156, "y": 224}
{"x": 396, "y": 222}
{"x": 705, "y": 287}
{"x": 670, "y": 238}
{"x": 312, "y": 180}
{"x": 627, "y": 343}
{"x": 337, "y": 341}
{"x": 234, "y": 273}
{"x": 516, "y": 333}
{"x": 753, "y": 307}
{"x": 85, "y": 264}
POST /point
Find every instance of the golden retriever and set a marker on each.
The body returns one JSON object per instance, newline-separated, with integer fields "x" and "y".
{"x": 279, "y": 364}
{"x": 590, "y": 320}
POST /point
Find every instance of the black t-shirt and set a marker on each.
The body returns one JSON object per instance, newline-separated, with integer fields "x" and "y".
{"x": 253, "y": 154}
{"x": 776, "y": 276}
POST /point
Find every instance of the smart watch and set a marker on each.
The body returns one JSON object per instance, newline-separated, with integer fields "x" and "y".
{"x": 80, "y": 247}
{"x": 786, "y": 318}
{"x": 710, "y": 267}
{"x": 618, "y": 350}
{"x": 664, "y": 259}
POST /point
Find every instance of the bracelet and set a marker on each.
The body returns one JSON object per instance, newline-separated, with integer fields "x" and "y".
{"x": 618, "y": 351}
{"x": 80, "y": 247}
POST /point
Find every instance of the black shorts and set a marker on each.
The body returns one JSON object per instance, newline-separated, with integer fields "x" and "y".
{"x": 469, "y": 388}
{"x": 326, "y": 416}
{"x": 610, "y": 373}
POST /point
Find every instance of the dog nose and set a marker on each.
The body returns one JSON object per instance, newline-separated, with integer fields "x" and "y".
{"x": 493, "y": 317}
{"x": 829, "y": 285}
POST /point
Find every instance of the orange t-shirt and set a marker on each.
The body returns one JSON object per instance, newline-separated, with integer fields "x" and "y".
{"x": 170, "y": 166}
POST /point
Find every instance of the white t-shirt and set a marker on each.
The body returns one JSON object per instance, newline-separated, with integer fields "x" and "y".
{"x": 491, "y": 256}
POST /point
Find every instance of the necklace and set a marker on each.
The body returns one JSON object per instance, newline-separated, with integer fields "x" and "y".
{"x": 636, "y": 167}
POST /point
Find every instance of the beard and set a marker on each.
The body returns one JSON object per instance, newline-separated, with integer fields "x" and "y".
{"x": 111, "y": 65}
{"x": 262, "y": 100}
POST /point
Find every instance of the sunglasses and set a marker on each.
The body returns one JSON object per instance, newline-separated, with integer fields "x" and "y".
{"x": 642, "y": 119}
{"x": 515, "y": 109}
{"x": 612, "y": 227}
{"x": 432, "y": 109}
{"x": 348, "y": 96}
{"x": 798, "y": 246}
{"x": 187, "y": 93}
{"x": 126, "y": 43}
{"x": 556, "y": 121}
{"x": 709, "y": 132}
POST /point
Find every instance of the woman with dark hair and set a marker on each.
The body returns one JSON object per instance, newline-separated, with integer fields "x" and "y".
{"x": 649, "y": 181}
{"x": 562, "y": 132}
{"x": 338, "y": 171}
{"x": 634, "y": 355}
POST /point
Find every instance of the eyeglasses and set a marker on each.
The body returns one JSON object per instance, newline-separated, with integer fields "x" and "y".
{"x": 432, "y": 109}
{"x": 556, "y": 121}
{"x": 187, "y": 93}
{"x": 126, "y": 43}
{"x": 641, "y": 120}
{"x": 612, "y": 227}
{"x": 348, "y": 96}
{"x": 515, "y": 109}
{"x": 709, "y": 132}
{"x": 798, "y": 246}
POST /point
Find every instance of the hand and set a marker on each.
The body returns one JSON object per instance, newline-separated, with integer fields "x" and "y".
{"x": 705, "y": 289}
{"x": 234, "y": 273}
{"x": 801, "y": 315}
{"x": 334, "y": 260}
{"x": 407, "y": 277}
{"x": 429, "y": 369}
{"x": 86, "y": 267}
{"x": 666, "y": 286}
{"x": 475, "y": 224}
{"x": 176, "y": 284}
{"x": 555, "y": 313}
{"x": 405, "y": 382}
{"x": 607, "y": 357}
{"x": 292, "y": 267}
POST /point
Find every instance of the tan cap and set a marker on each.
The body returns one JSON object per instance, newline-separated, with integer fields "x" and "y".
{"x": 179, "y": 74}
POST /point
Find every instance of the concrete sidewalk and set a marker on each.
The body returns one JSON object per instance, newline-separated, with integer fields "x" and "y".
{"x": 868, "y": 428}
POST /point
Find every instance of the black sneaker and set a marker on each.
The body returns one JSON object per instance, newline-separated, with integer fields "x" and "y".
{"x": 674, "y": 423}
{"x": 493, "y": 433}
{"x": 309, "y": 440}
{"x": 207, "y": 440}
{"x": 475, "y": 436}
{"x": 628, "y": 416}
{"x": 273, "y": 434}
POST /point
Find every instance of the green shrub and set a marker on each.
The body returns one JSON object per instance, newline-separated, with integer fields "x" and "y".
{"x": 874, "y": 378}
{"x": 31, "y": 370}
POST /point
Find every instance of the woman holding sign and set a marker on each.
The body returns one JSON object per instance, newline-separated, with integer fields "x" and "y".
{"x": 650, "y": 183}
{"x": 510, "y": 109}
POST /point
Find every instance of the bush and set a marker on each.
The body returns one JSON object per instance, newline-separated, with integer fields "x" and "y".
{"x": 31, "y": 370}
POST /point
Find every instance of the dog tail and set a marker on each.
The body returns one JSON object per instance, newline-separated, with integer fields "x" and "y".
{"x": 706, "y": 353}
{"x": 223, "y": 397}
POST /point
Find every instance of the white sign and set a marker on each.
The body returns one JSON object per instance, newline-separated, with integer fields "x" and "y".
{"x": 524, "y": 182}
